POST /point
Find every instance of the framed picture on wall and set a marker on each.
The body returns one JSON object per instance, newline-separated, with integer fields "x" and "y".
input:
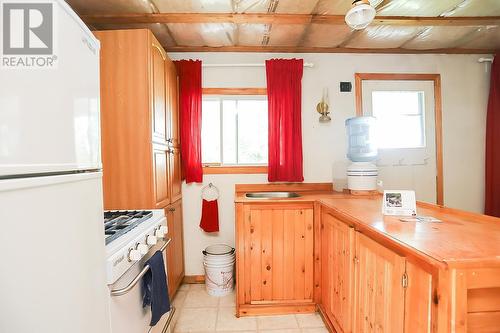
{"x": 399, "y": 202}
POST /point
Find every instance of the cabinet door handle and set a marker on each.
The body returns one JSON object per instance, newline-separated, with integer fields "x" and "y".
{"x": 171, "y": 209}
{"x": 356, "y": 260}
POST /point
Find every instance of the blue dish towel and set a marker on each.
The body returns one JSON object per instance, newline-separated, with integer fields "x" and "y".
{"x": 155, "y": 288}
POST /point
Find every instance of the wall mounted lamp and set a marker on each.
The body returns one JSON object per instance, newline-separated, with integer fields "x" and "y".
{"x": 322, "y": 108}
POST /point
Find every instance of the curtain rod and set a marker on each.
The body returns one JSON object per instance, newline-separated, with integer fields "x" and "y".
{"x": 306, "y": 64}
{"x": 485, "y": 60}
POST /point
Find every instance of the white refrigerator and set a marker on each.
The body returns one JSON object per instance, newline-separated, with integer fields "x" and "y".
{"x": 51, "y": 213}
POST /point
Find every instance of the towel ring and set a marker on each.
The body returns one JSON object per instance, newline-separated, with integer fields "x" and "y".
{"x": 210, "y": 188}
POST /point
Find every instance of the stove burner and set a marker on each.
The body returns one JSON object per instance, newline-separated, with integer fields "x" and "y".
{"x": 118, "y": 223}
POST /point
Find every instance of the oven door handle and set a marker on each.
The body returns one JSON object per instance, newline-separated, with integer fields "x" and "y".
{"x": 131, "y": 285}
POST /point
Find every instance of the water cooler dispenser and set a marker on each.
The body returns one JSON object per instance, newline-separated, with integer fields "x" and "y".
{"x": 362, "y": 151}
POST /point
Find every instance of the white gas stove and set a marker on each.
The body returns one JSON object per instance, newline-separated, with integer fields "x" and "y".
{"x": 130, "y": 236}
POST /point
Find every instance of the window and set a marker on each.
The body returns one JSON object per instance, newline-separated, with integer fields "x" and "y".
{"x": 400, "y": 118}
{"x": 234, "y": 130}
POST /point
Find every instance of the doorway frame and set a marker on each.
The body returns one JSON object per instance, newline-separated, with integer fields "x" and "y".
{"x": 438, "y": 113}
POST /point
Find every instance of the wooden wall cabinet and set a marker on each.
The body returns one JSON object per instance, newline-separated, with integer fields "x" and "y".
{"x": 159, "y": 91}
{"x": 175, "y": 174}
{"x": 140, "y": 131}
{"x": 172, "y": 107}
{"x": 275, "y": 258}
{"x": 161, "y": 173}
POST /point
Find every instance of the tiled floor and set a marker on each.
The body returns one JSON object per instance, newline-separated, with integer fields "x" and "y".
{"x": 199, "y": 312}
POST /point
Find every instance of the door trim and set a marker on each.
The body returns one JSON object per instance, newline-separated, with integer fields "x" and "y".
{"x": 438, "y": 114}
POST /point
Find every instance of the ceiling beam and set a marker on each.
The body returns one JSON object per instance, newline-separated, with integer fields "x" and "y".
{"x": 283, "y": 19}
{"x": 301, "y": 49}
{"x": 200, "y": 18}
{"x": 458, "y": 21}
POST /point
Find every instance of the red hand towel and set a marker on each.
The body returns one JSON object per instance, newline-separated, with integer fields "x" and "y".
{"x": 210, "y": 216}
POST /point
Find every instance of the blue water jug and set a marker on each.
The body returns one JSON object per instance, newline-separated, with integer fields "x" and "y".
{"x": 361, "y": 139}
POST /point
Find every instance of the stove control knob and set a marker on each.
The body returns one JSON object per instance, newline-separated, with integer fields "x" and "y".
{"x": 134, "y": 255}
{"x": 159, "y": 234}
{"x": 142, "y": 248}
{"x": 163, "y": 229}
{"x": 151, "y": 240}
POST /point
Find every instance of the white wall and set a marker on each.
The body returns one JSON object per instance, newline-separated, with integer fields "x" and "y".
{"x": 465, "y": 85}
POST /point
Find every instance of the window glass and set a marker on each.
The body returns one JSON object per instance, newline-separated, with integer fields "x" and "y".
{"x": 230, "y": 133}
{"x": 400, "y": 118}
{"x": 252, "y": 132}
{"x": 210, "y": 132}
{"x": 242, "y": 139}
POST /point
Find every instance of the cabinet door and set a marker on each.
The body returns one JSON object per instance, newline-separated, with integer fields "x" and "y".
{"x": 278, "y": 255}
{"x": 160, "y": 169}
{"x": 172, "y": 106}
{"x": 419, "y": 306}
{"x": 158, "y": 93}
{"x": 379, "y": 293}
{"x": 175, "y": 253}
{"x": 337, "y": 271}
{"x": 175, "y": 174}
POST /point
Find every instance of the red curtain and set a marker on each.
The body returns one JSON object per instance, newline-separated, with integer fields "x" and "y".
{"x": 492, "y": 195}
{"x": 284, "y": 94}
{"x": 189, "y": 72}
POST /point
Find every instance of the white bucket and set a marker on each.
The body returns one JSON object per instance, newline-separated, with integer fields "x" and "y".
{"x": 218, "y": 261}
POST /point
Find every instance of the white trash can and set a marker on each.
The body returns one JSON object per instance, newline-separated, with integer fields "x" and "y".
{"x": 218, "y": 261}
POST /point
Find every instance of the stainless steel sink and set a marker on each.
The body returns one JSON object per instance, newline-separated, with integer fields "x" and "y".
{"x": 272, "y": 195}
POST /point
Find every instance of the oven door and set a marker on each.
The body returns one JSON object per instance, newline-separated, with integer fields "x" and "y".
{"x": 127, "y": 313}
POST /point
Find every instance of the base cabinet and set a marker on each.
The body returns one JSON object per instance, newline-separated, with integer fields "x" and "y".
{"x": 379, "y": 291}
{"x": 337, "y": 243}
{"x": 420, "y": 303}
{"x": 276, "y": 266}
{"x": 363, "y": 271}
{"x": 366, "y": 287}
{"x": 175, "y": 251}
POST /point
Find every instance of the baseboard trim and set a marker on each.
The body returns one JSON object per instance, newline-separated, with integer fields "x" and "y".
{"x": 194, "y": 279}
{"x": 331, "y": 326}
{"x": 272, "y": 309}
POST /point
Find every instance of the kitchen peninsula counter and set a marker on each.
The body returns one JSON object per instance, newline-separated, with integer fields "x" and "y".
{"x": 450, "y": 270}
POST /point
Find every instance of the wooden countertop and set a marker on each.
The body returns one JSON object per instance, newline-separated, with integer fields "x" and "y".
{"x": 462, "y": 239}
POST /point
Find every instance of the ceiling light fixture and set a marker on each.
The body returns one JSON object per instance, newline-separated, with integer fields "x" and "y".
{"x": 360, "y": 15}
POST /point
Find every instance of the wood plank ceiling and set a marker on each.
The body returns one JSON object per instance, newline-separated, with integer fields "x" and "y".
{"x": 401, "y": 26}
